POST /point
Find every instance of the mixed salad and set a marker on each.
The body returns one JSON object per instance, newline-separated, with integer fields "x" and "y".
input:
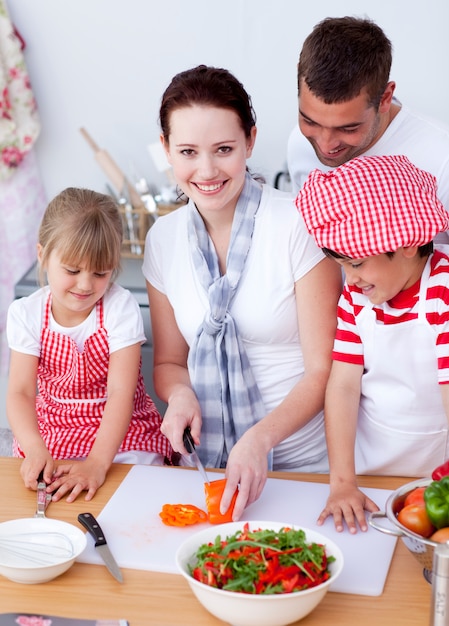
{"x": 262, "y": 562}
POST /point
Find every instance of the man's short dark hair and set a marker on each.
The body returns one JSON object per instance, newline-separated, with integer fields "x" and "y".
{"x": 344, "y": 55}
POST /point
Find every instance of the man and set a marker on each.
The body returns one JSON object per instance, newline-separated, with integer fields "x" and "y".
{"x": 347, "y": 106}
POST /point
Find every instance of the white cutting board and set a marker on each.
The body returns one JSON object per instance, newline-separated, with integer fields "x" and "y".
{"x": 139, "y": 540}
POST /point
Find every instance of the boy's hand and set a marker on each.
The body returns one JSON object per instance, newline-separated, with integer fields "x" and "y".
{"x": 347, "y": 504}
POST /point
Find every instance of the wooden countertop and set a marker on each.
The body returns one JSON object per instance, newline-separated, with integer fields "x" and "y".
{"x": 156, "y": 599}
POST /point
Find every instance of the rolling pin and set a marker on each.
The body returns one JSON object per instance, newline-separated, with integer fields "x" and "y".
{"x": 114, "y": 173}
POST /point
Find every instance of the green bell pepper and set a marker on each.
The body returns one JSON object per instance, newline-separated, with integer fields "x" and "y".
{"x": 436, "y": 498}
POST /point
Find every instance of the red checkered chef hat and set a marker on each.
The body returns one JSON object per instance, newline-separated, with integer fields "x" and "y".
{"x": 371, "y": 205}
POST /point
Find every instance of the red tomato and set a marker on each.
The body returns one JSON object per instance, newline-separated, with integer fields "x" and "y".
{"x": 415, "y": 518}
{"x": 415, "y": 497}
{"x": 441, "y": 535}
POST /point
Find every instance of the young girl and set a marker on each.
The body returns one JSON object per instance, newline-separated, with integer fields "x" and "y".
{"x": 78, "y": 339}
{"x": 242, "y": 302}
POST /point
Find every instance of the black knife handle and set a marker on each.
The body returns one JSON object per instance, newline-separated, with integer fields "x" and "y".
{"x": 88, "y": 521}
{"x": 188, "y": 441}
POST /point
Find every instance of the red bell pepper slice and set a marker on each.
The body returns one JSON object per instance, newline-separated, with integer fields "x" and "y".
{"x": 182, "y": 515}
{"x": 441, "y": 471}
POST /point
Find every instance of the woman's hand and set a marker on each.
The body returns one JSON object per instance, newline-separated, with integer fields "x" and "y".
{"x": 183, "y": 410}
{"x": 247, "y": 467}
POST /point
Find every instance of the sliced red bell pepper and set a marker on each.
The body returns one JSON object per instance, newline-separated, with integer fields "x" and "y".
{"x": 182, "y": 515}
{"x": 262, "y": 562}
{"x": 214, "y": 491}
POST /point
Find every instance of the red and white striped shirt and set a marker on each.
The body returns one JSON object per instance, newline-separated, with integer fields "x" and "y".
{"x": 348, "y": 346}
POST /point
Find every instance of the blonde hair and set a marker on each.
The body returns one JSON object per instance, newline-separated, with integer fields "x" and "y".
{"x": 86, "y": 227}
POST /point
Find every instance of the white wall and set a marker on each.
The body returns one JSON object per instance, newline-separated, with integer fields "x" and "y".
{"x": 104, "y": 64}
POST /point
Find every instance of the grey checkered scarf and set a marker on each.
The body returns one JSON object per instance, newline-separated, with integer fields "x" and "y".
{"x": 219, "y": 368}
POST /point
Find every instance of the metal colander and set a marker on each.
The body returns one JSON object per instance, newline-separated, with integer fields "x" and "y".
{"x": 421, "y": 548}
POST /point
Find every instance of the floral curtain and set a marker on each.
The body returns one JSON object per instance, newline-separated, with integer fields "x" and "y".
{"x": 22, "y": 198}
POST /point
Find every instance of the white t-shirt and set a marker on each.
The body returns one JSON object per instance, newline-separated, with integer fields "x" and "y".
{"x": 264, "y": 308}
{"x": 122, "y": 320}
{"x": 423, "y": 140}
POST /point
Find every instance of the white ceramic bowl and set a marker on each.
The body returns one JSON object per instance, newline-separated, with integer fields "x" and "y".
{"x": 36, "y": 550}
{"x": 240, "y": 609}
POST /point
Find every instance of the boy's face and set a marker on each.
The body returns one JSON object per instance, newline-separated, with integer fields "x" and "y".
{"x": 382, "y": 277}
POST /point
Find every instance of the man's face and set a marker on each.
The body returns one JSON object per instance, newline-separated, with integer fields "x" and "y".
{"x": 339, "y": 132}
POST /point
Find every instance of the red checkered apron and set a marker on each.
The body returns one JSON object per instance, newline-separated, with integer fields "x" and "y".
{"x": 72, "y": 393}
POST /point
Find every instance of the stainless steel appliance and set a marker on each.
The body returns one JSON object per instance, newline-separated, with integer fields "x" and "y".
{"x": 131, "y": 278}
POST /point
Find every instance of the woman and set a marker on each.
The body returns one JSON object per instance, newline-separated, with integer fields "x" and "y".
{"x": 243, "y": 303}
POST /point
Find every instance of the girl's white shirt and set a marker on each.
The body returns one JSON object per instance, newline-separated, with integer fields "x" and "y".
{"x": 122, "y": 320}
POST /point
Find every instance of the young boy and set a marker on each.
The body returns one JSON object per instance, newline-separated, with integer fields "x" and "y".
{"x": 387, "y": 399}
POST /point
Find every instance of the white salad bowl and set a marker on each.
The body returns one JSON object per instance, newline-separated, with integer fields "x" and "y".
{"x": 242, "y": 609}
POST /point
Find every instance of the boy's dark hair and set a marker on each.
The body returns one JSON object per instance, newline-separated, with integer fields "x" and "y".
{"x": 343, "y": 55}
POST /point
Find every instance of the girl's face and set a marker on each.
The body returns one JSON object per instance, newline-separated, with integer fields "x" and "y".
{"x": 75, "y": 291}
{"x": 208, "y": 149}
{"x": 382, "y": 277}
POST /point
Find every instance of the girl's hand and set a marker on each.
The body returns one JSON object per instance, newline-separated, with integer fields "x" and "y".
{"x": 75, "y": 477}
{"x": 33, "y": 465}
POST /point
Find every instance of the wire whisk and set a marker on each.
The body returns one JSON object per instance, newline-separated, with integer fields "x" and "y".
{"x": 40, "y": 548}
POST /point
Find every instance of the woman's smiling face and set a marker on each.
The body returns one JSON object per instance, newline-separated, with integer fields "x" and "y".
{"x": 382, "y": 277}
{"x": 208, "y": 150}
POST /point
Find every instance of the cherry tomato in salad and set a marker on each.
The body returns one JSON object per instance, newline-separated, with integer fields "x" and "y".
{"x": 415, "y": 497}
{"x": 415, "y": 518}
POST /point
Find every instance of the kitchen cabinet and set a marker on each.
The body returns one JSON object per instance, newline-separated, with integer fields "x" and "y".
{"x": 131, "y": 278}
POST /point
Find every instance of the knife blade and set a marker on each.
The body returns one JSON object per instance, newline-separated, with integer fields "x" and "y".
{"x": 190, "y": 447}
{"x": 88, "y": 521}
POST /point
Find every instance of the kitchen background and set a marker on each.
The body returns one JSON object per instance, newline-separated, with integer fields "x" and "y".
{"x": 103, "y": 65}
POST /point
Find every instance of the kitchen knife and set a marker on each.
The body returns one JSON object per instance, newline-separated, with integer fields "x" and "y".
{"x": 88, "y": 521}
{"x": 190, "y": 447}
{"x": 43, "y": 498}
